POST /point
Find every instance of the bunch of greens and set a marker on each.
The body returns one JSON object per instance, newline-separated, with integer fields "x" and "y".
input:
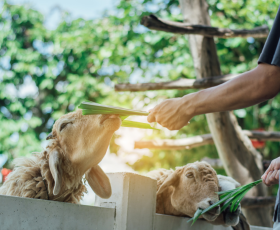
{"x": 90, "y": 108}
{"x": 230, "y": 198}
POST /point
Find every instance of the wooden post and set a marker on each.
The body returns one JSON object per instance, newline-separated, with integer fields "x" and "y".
{"x": 240, "y": 159}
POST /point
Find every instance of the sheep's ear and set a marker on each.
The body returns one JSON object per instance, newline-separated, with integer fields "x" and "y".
{"x": 55, "y": 167}
{"x": 171, "y": 180}
{"x": 99, "y": 182}
{"x": 227, "y": 183}
{"x": 50, "y": 136}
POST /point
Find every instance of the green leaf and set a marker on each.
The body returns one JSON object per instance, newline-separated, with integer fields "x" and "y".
{"x": 227, "y": 192}
{"x": 134, "y": 124}
{"x": 236, "y": 200}
{"x": 123, "y": 117}
{"x": 94, "y": 108}
{"x": 232, "y": 196}
{"x": 226, "y": 204}
{"x": 196, "y": 215}
{"x": 90, "y": 108}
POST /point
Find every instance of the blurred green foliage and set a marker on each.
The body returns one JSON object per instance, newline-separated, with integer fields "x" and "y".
{"x": 46, "y": 73}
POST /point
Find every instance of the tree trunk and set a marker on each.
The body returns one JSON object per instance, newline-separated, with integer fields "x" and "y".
{"x": 240, "y": 159}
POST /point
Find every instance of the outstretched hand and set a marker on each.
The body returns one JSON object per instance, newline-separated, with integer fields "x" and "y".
{"x": 271, "y": 175}
{"x": 172, "y": 114}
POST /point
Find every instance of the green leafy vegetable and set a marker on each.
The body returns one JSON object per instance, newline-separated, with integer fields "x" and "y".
{"x": 90, "y": 108}
{"x": 230, "y": 198}
{"x": 95, "y": 108}
{"x": 137, "y": 125}
{"x": 196, "y": 215}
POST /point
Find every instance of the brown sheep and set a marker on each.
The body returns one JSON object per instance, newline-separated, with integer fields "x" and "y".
{"x": 183, "y": 191}
{"x": 77, "y": 144}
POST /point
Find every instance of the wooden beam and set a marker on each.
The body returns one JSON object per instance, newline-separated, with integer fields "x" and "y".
{"x": 176, "y": 144}
{"x": 154, "y": 23}
{"x": 191, "y": 142}
{"x": 262, "y": 135}
{"x": 182, "y": 83}
{"x": 258, "y": 202}
{"x": 217, "y": 163}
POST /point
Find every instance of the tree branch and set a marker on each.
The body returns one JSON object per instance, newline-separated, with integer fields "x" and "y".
{"x": 262, "y": 135}
{"x": 258, "y": 202}
{"x": 217, "y": 163}
{"x": 191, "y": 142}
{"x": 155, "y": 23}
{"x": 182, "y": 83}
{"x": 176, "y": 144}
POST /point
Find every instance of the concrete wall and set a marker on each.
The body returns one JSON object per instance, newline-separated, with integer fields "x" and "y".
{"x": 134, "y": 197}
{"x": 131, "y": 207}
{"x": 31, "y": 214}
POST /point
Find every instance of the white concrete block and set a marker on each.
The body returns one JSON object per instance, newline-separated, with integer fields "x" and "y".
{"x": 32, "y": 214}
{"x": 135, "y": 199}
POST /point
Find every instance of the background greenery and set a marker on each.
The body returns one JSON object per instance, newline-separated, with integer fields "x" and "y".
{"x": 83, "y": 59}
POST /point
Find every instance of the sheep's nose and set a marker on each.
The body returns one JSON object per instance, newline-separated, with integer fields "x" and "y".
{"x": 215, "y": 210}
{"x": 210, "y": 202}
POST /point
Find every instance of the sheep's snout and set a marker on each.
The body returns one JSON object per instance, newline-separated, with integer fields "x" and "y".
{"x": 205, "y": 203}
{"x": 110, "y": 121}
{"x": 106, "y": 117}
{"x": 213, "y": 213}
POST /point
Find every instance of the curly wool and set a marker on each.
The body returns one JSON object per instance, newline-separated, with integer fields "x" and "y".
{"x": 27, "y": 180}
{"x": 160, "y": 175}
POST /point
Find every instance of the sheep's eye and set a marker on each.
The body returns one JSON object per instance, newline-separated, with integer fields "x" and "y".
{"x": 189, "y": 175}
{"x": 63, "y": 126}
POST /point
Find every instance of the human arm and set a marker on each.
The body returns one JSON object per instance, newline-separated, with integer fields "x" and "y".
{"x": 249, "y": 88}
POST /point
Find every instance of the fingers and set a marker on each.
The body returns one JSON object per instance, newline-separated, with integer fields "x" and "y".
{"x": 270, "y": 168}
{"x": 277, "y": 175}
{"x": 272, "y": 178}
{"x": 267, "y": 180}
{"x": 151, "y": 117}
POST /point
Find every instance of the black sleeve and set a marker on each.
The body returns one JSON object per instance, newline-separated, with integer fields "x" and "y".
{"x": 271, "y": 50}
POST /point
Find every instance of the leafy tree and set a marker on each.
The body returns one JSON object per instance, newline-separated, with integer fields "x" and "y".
{"x": 46, "y": 73}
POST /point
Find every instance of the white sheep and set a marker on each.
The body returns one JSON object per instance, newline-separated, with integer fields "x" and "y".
{"x": 77, "y": 144}
{"x": 182, "y": 191}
